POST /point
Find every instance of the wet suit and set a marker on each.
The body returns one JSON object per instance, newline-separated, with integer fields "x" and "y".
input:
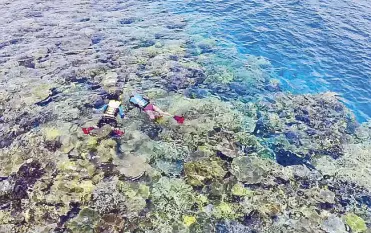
{"x": 141, "y": 102}
{"x": 144, "y": 104}
{"x": 110, "y": 112}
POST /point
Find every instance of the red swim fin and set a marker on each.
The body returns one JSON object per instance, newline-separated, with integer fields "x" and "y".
{"x": 87, "y": 130}
{"x": 118, "y": 132}
{"x": 179, "y": 119}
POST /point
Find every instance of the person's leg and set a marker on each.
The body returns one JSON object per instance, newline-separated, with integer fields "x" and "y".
{"x": 158, "y": 110}
{"x": 112, "y": 122}
{"x": 179, "y": 119}
{"x": 151, "y": 114}
{"x": 118, "y": 131}
{"x": 115, "y": 130}
{"x": 101, "y": 122}
{"x": 88, "y": 130}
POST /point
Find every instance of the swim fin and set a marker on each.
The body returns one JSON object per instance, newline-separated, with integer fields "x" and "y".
{"x": 179, "y": 119}
{"x": 118, "y": 132}
{"x": 87, "y": 130}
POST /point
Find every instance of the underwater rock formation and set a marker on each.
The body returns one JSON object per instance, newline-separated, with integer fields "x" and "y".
{"x": 85, "y": 222}
{"x": 248, "y": 158}
{"x": 248, "y": 170}
{"x": 197, "y": 173}
{"x": 353, "y": 166}
{"x": 171, "y": 199}
{"x": 356, "y": 223}
{"x": 305, "y": 125}
{"x": 224, "y": 177}
{"x": 107, "y": 199}
{"x": 334, "y": 224}
{"x": 207, "y": 121}
{"x": 131, "y": 166}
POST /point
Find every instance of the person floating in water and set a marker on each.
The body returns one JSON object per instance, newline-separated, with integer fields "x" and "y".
{"x": 150, "y": 109}
{"x": 110, "y": 112}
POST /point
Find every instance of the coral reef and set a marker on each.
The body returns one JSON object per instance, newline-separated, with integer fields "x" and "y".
{"x": 305, "y": 126}
{"x": 355, "y": 156}
{"x": 171, "y": 199}
{"x": 248, "y": 158}
{"x": 247, "y": 170}
{"x": 356, "y": 223}
{"x": 85, "y": 222}
{"x": 107, "y": 198}
{"x": 198, "y": 173}
{"x": 131, "y": 166}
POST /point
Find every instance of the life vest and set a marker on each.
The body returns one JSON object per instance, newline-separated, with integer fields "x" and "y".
{"x": 138, "y": 101}
{"x": 112, "y": 109}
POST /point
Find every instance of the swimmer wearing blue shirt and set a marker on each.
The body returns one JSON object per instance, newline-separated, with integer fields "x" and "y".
{"x": 110, "y": 112}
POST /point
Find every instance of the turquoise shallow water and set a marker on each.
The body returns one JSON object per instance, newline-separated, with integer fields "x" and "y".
{"x": 313, "y": 45}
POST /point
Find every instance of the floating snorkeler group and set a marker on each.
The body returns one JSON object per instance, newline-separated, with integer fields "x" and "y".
{"x": 113, "y": 108}
{"x": 249, "y": 157}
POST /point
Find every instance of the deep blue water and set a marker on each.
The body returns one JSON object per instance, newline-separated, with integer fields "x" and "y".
{"x": 313, "y": 45}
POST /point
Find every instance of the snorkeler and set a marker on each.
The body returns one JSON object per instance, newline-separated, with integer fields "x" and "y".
{"x": 110, "y": 112}
{"x": 150, "y": 109}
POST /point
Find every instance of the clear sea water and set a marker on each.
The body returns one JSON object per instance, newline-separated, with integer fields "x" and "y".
{"x": 313, "y": 45}
{"x": 58, "y": 60}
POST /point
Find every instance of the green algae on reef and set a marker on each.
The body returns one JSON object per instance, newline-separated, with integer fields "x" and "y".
{"x": 248, "y": 158}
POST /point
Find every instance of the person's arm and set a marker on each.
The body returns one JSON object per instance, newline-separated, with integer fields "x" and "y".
{"x": 121, "y": 112}
{"x": 103, "y": 108}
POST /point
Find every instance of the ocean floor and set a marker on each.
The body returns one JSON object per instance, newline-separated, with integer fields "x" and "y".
{"x": 250, "y": 157}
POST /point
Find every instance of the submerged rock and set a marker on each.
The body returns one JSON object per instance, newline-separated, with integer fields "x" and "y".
{"x": 170, "y": 167}
{"x": 326, "y": 196}
{"x": 355, "y": 156}
{"x": 37, "y": 93}
{"x": 200, "y": 172}
{"x": 86, "y": 221}
{"x": 171, "y": 198}
{"x": 27, "y": 176}
{"x": 232, "y": 227}
{"x": 226, "y": 211}
{"x": 110, "y": 79}
{"x": 111, "y": 223}
{"x": 356, "y": 223}
{"x": 6, "y": 187}
{"x": 306, "y": 124}
{"x": 127, "y": 20}
{"x": 106, "y": 150}
{"x": 197, "y": 93}
{"x": 334, "y": 224}
{"x": 107, "y": 199}
{"x": 247, "y": 170}
{"x": 131, "y": 166}
{"x": 51, "y": 134}
{"x": 27, "y": 62}
{"x": 176, "y": 25}
{"x": 227, "y": 148}
{"x": 221, "y": 75}
{"x": 239, "y": 190}
{"x": 273, "y": 85}
{"x": 102, "y": 132}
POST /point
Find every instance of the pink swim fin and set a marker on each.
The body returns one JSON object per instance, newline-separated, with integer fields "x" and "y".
{"x": 179, "y": 119}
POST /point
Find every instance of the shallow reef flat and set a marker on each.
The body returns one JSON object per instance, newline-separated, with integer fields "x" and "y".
{"x": 249, "y": 157}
